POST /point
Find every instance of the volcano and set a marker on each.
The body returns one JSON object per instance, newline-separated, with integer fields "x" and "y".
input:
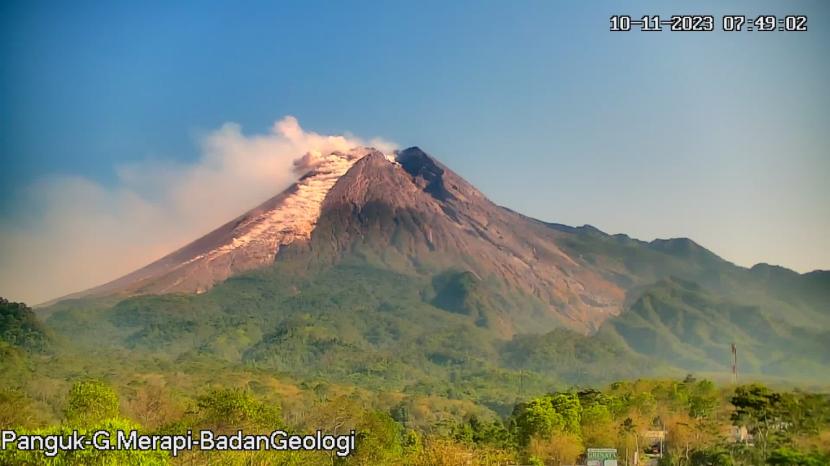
{"x": 412, "y": 214}
{"x": 409, "y": 214}
{"x": 392, "y": 262}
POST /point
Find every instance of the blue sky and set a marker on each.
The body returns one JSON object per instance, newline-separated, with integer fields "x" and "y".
{"x": 721, "y": 137}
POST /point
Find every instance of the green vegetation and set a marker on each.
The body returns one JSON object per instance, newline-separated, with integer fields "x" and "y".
{"x": 19, "y": 327}
{"x": 346, "y": 325}
{"x": 420, "y": 366}
{"x": 90, "y": 402}
{"x": 699, "y": 420}
{"x": 690, "y": 327}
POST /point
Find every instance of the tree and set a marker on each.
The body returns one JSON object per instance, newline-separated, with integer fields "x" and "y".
{"x": 596, "y": 420}
{"x": 379, "y": 440}
{"x": 790, "y": 457}
{"x": 15, "y": 409}
{"x": 711, "y": 457}
{"x": 474, "y": 430}
{"x": 537, "y": 417}
{"x": 570, "y": 409}
{"x": 559, "y": 448}
{"x": 444, "y": 452}
{"x": 91, "y": 401}
{"x": 703, "y": 399}
{"x": 152, "y": 407}
{"x": 19, "y": 327}
{"x": 628, "y": 437}
{"x": 759, "y": 409}
{"x": 88, "y": 455}
{"x": 548, "y": 414}
{"x": 225, "y": 409}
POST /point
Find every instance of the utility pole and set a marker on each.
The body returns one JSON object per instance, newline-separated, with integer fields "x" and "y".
{"x": 734, "y": 364}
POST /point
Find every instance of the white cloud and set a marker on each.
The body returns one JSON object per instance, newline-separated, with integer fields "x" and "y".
{"x": 74, "y": 233}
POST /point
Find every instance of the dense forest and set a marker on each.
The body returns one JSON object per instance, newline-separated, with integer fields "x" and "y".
{"x": 51, "y": 386}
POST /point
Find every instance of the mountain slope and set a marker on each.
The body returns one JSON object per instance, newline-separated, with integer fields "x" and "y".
{"x": 250, "y": 241}
{"x": 418, "y": 216}
{"x": 688, "y": 326}
{"x": 412, "y": 215}
{"x": 400, "y": 268}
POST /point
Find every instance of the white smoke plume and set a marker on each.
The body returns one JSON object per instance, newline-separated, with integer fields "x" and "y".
{"x": 74, "y": 233}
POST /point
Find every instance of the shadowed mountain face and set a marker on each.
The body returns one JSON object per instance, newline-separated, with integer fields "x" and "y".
{"x": 418, "y": 216}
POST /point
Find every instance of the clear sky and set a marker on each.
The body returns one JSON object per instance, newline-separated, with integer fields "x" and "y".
{"x": 721, "y": 137}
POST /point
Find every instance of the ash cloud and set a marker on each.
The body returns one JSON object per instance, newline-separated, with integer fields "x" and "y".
{"x": 73, "y": 233}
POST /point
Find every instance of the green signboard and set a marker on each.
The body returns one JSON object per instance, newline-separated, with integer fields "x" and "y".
{"x": 601, "y": 454}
